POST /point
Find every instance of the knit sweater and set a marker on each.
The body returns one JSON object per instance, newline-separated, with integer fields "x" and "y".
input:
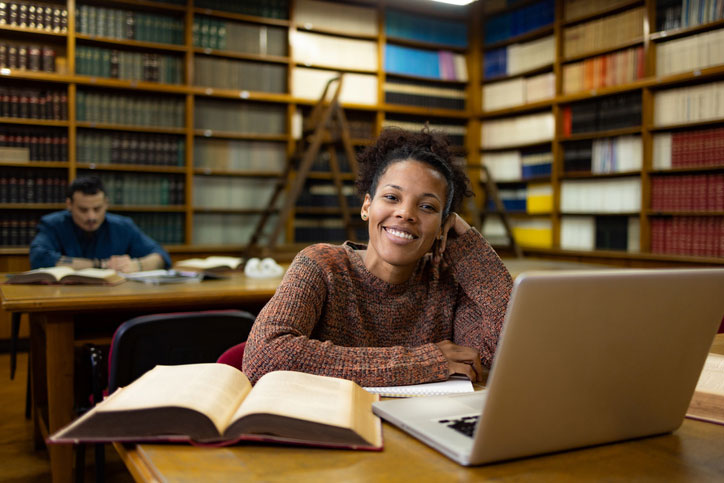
{"x": 331, "y": 316}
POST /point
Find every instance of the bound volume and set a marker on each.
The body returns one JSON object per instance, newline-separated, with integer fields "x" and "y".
{"x": 216, "y": 404}
{"x": 67, "y": 275}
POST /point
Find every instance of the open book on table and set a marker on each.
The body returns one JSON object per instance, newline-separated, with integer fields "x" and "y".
{"x": 708, "y": 401}
{"x": 216, "y": 404}
{"x": 214, "y": 263}
{"x": 67, "y": 275}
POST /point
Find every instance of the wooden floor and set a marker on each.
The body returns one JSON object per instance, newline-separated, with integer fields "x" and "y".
{"x": 19, "y": 461}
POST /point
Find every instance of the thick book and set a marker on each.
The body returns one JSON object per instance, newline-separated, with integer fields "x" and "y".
{"x": 67, "y": 275}
{"x": 214, "y": 263}
{"x": 215, "y": 404}
{"x": 708, "y": 401}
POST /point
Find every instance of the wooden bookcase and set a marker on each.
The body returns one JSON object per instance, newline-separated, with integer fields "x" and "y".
{"x": 675, "y": 221}
{"x": 207, "y": 185}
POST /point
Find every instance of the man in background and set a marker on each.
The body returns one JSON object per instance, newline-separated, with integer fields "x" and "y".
{"x": 85, "y": 236}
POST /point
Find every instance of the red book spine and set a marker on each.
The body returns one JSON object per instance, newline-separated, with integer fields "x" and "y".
{"x": 640, "y": 63}
{"x": 657, "y": 235}
{"x": 712, "y": 243}
{"x": 677, "y": 148}
{"x": 567, "y": 120}
{"x": 720, "y": 237}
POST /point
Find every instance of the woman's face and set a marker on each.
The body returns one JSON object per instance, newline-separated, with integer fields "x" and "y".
{"x": 405, "y": 217}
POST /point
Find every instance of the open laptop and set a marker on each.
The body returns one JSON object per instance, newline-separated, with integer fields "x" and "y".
{"x": 584, "y": 358}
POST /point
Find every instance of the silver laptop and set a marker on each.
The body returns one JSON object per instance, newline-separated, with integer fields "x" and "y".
{"x": 585, "y": 357}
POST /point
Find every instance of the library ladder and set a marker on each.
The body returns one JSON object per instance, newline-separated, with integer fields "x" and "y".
{"x": 490, "y": 192}
{"x": 326, "y": 127}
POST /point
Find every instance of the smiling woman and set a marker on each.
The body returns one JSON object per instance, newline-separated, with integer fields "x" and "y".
{"x": 423, "y": 300}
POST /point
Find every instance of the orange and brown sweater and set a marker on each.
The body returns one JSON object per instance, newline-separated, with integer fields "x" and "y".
{"x": 331, "y": 316}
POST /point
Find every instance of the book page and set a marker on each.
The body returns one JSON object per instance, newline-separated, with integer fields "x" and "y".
{"x": 210, "y": 262}
{"x": 454, "y": 385}
{"x": 103, "y": 273}
{"x": 215, "y": 390}
{"x": 712, "y": 376}
{"x": 298, "y": 395}
{"x": 57, "y": 272}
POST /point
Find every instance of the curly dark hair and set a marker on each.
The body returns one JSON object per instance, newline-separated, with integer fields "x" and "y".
{"x": 427, "y": 146}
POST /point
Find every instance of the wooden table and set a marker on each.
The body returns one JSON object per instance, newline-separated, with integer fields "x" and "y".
{"x": 52, "y": 310}
{"x": 694, "y": 452}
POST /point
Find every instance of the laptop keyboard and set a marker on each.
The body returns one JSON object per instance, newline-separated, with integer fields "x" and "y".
{"x": 465, "y": 425}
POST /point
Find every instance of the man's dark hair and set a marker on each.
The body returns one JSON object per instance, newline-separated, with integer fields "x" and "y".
{"x": 88, "y": 185}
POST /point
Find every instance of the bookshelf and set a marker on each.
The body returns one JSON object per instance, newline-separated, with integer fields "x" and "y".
{"x": 190, "y": 108}
{"x": 633, "y": 134}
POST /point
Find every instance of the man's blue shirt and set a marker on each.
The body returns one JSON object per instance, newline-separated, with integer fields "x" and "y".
{"x": 58, "y": 235}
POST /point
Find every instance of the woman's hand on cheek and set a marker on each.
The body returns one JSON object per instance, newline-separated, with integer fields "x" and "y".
{"x": 453, "y": 226}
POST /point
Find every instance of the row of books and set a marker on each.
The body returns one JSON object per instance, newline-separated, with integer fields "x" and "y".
{"x": 607, "y": 32}
{"x": 431, "y": 64}
{"x": 17, "y": 229}
{"x": 240, "y": 117}
{"x": 317, "y": 193}
{"x": 689, "y": 104}
{"x": 165, "y": 228}
{"x": 518, "y": 165}
{"x": 310, "y": 48}
{"x": 51, "y": 18}
{"x": 454, "y": 132}
{"x": 134, "y": 110}
{"x": 361, "y": 124}
{"x": 21, "y": 144}
{"x": 701, "y": 236}
{"x": 520, "y": 57}
{"x": 227, "y": 192}
{"x": 228, "y": 229}
{"x": 518, "y": 91}
{"x": 120, "y": 64}
{"x": 607, "y": 155}
{"x": 240, "y": 74}
{"x": 221, "y": 34}
{"x": 610, "y": 195}
{"x": 131, "y": 189}
{"x": 674, "y": 14}
{"x": 322, "y": 162}
{"x": 239, "y": 155}
{"x": 32, "y": 57}
{"x": 688, "y": 192}
{"x": 336, "y": 16}
{"x": 22, "y": 185}
{"x": 602, "y": 114}
{"x": 690, "y": 53}
{"x": 130, "y": 148}
{"x": 534, "y": 232}
{"x": 356, "y": 89}
{"x": 424, "y": 28}
{"x": 600, "y": 233}
{"x": 678, "y": 149}
{"x": 518, "y": 130}
{"x": 574, "y": 9}
{"x": 257, "y": 8}
{"x": 24, "y": 103}
{"x": 607, "y": 70}
{"x": 314, "y": 229}
{"x": 510, "y": 24}
{"x": 128, "y": 24}
{"x": 532, "y": 198}
{"x": 424, "y": 94}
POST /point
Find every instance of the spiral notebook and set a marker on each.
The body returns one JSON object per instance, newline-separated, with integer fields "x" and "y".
{"x": 454, "y": 385}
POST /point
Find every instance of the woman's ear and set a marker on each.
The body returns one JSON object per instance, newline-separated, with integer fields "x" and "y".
{"x": 364, "y": 212}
